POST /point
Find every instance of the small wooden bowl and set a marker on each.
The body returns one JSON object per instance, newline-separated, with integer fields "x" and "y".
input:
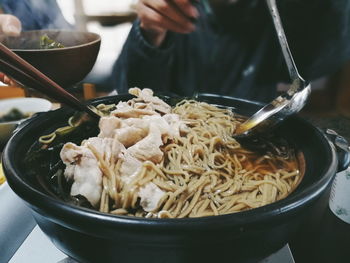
{"x": 66, "y": 66}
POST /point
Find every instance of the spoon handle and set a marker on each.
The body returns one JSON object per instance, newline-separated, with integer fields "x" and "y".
{"x": 293, "y": 71}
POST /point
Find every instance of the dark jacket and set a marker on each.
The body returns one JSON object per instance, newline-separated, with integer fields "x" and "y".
{"x": 238, "y": 53}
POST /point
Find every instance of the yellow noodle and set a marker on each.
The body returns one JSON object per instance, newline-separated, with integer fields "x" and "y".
{"x": 204, "y": 172}
{"x": 119, "y": 211}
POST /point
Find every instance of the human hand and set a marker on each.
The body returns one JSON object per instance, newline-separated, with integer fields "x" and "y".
{"x": 5, "y": 79}
{"x": 10, "y": 25}
{"x": 159, "y": 16}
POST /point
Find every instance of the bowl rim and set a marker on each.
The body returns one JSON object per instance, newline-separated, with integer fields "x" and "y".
{"x": 19, "y": 99}
{"x": 98, "y": 39}
{"x": 40, "y": 201}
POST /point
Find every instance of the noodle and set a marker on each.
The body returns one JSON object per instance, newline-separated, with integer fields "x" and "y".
{"x": 204, "y": 171}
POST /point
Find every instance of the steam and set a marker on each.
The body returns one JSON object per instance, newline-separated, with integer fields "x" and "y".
{"x": 51, "y": 14}
{"x": 68, "y": 10}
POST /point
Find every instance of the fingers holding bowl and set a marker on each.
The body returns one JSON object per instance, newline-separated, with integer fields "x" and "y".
{"x": 10, "y": 25}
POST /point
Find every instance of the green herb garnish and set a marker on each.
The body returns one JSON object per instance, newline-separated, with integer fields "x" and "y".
{"x": 47, "y": 43}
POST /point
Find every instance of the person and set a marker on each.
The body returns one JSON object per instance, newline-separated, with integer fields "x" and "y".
{"x": 9, "y": 25}
{"x": 230, "y": 47}
{"x": 36, "y": 14}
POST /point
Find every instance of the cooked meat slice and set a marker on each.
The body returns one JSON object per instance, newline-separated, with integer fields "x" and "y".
{"x": 175, "y": 124}
{"x": 124, "y": 110}
{"x": 128, "y": 136}
{"x": 82, "y": 166}
{"x": 129, "y": 168}
{"x": 133, "y": 130}
{"x": 148, "y": 147}
{"x": 108, "y": 125}
{"x": 108, "y": 148}
{"x": 161, "y": 124}
{"x": 147, "y": 96}
{"x": 150, "y": 195}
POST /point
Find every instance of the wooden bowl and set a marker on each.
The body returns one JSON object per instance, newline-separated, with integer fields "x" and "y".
{"x": 66, "y": 66}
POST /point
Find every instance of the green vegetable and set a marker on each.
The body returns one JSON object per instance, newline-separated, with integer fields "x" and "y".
{"x": 47, "y": 43}
{"x": 13, "y": 115}
{"x": 43, "y": 161}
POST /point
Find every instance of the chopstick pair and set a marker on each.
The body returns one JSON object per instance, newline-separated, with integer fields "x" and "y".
{"x": 26, "y": 74}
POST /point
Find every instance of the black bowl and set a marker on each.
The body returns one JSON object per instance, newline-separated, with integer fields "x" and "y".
{"x": 90, "y": 236}
{"x": 66, "y": 66}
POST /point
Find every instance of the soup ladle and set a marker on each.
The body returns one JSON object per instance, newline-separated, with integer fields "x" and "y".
{"x": 24, "y": 73}
{"x": 286, "y": 104}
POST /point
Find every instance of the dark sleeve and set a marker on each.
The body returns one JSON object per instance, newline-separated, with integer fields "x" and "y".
{"x": 318, "y": 32}
{"x": 142, "y": 65}
{"x": 36, "y": 14}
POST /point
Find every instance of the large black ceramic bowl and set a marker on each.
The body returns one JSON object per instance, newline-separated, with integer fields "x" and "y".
{"x": 90, "y": 236}
{"x": 66, "y": 66}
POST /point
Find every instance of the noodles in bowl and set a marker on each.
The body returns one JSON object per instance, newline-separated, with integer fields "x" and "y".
{"x": 152, "y": 160}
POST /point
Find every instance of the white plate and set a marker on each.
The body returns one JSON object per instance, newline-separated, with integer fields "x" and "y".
{"x": 25, "y": 105}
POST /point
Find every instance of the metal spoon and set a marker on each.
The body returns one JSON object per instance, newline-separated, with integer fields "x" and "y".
{"x": 286, "y": 104}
